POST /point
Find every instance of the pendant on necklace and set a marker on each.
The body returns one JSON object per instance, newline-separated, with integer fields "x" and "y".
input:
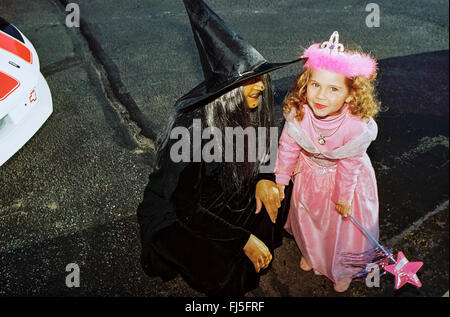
{"x": 321, "y": 140}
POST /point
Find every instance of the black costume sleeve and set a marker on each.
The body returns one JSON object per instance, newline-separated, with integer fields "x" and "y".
{"x": 199, "y": 219}
{"x": 268, "y": 176}
{"x": 156, "y": 210}
{"x": 173, "y": 192}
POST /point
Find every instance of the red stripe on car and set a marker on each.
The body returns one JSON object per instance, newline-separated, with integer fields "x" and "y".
{"x": 15, "y": 47}
{"x": 7, "y": 85}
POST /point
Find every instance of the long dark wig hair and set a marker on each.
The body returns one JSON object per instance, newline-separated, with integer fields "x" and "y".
{"x": 228, "y": 110}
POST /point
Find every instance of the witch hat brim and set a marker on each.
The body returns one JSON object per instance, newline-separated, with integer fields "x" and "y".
{"x": 227, "y": 59}
{"x": 201, "y": 94}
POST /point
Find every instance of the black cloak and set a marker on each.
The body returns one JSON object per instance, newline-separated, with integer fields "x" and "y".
{"x": 189, "y": 225}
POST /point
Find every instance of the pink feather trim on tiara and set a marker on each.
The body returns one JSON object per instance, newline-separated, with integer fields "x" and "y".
{"x": 331, "y": 56}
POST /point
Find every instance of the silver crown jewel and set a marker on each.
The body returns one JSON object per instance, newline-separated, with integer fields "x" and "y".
{"x": 333, "y": 44}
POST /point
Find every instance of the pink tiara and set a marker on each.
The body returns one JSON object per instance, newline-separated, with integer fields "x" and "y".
{"x": 330, "y": 55}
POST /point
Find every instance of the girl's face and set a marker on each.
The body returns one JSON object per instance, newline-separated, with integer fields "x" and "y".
{"x": 327, "y": 92}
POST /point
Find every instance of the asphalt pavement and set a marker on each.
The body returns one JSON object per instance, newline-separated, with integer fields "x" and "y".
{"x": 70, "y": 194}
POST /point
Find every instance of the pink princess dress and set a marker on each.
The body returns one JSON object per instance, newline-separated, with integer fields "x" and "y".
{"x": 324, "y": 174}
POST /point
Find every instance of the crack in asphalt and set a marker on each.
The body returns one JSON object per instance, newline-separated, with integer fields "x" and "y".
{"x": 126, "y": 132}
{"x": 60, "y": 66}
{"x": 416, "y": 224}
{"x": 118, "y": 89}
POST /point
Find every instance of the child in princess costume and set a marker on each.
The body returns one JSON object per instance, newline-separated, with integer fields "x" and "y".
{"x": 328, "y": 128}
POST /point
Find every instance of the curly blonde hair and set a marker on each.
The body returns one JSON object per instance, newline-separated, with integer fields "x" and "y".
{"x": 362, "y": 90}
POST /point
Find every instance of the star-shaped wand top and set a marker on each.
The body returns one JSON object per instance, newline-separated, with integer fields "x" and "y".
{"x": 404, "y": 271}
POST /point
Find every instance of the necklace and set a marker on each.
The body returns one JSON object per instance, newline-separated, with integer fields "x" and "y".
{"x": 321, "y": 138}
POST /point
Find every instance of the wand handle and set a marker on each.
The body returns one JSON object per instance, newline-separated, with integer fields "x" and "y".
{"x": 372, "y": 238}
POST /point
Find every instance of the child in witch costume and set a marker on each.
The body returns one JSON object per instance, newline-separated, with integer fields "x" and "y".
{"x": 198, "y": 218}
{"x": 328, "y": 128}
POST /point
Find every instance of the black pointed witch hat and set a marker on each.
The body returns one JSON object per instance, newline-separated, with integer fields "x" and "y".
{"x": 227, "y": 59}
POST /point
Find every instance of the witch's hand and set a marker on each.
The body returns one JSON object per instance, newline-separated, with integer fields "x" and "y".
{"x": 281, "y": 190}
{"x": 258, "y": 253}
{"x": 270, "y": 194}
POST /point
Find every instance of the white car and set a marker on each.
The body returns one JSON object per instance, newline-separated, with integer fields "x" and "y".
{"x": 25, "y": 98}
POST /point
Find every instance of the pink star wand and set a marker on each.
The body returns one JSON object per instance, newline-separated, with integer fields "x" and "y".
{"x": 404, "y": 271}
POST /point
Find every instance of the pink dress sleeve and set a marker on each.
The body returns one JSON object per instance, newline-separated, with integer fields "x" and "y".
{"x": 349, "y": 167}
{"x": 288, "y": 153}
{"x": 347, "y": 173}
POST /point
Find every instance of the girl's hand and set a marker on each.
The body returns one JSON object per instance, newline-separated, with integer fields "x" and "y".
{"x": 258, "y": 253}
{"x": 344, "y": 209}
